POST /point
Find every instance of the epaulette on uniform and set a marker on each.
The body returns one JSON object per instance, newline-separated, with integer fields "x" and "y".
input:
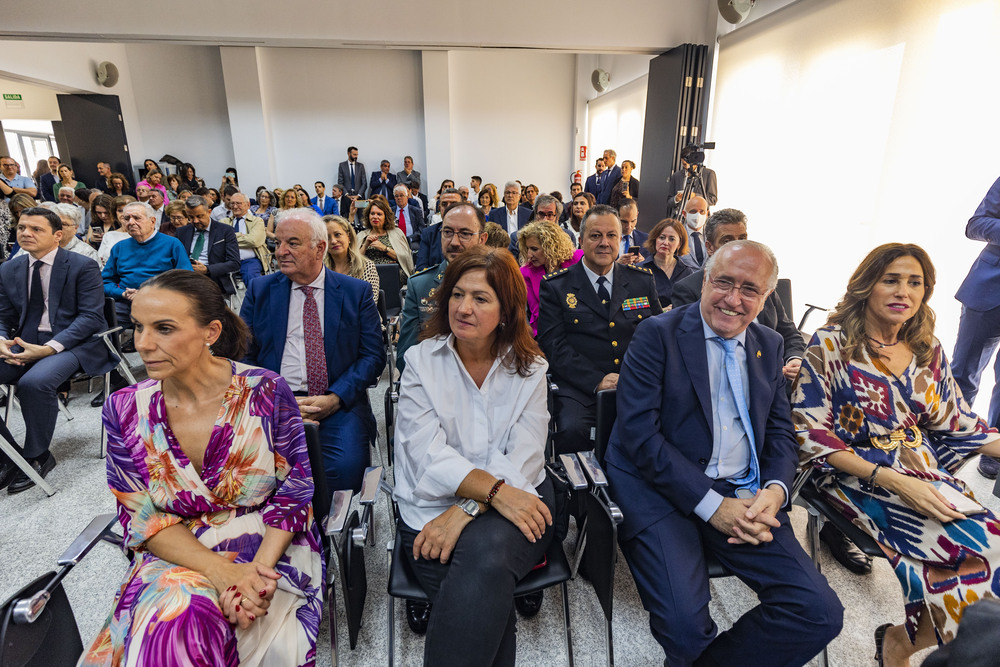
{"x": 639, "y": 268}
{"x": 423, "y": 271}
{"x": 556, "y": 273}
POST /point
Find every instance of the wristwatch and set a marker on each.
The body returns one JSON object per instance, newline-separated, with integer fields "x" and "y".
{"x": 469, "y": 506}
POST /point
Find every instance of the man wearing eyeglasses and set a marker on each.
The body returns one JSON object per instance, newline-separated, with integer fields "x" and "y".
{"x": 546, "y": 208}
{"x": 11, "y": 183}
{"x": 701, "y": 460}
{"x": 463, "y": 226}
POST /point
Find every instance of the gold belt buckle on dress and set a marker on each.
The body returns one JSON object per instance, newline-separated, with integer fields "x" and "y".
{"x": 908, "y": 437}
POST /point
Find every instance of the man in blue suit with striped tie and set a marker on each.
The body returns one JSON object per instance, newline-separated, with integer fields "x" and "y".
{"x": 701, "y": 461}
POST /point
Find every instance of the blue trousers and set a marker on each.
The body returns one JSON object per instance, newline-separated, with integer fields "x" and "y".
{"x": 797, "y": 616}
{"x": 250, "y": 268}
{"x": 977, "y": 340}
{"x": 345, "y": 437}
{"x": 36, "y": 389}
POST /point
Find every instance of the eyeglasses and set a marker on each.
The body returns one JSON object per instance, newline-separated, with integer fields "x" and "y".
{"x": 726, "y": 286}
{"x": 545, "y": 215}
{"x": 463, "y": 234}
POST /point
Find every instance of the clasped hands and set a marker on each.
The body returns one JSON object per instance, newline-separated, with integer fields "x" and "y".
{"x": 749, "y": 520}
{"x": 29, "y": 353}
{"x": 246, "y": 591}
{"x": 525, "y": 510}
{"x": 315, "y": 409}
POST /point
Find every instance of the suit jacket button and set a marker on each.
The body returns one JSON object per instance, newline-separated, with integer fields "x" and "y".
{"x": 614, "y": 343}
{"x": 703, "y": 462}
{"x": 611, "y": 324}
{"x": 576, "y": 321}
{"x": 640, "y": 317}
{"x": 617, "y": 361}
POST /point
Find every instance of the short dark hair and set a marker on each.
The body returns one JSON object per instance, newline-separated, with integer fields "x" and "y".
{"x": 43, "y": 212}
{"x": 477, "y": 178}
{"x": 194, "y": 201}
{"x": 408, "y": 157}
{"x": 351, "y": 148}
{"x": 202, "y": 191}
{"x": 599, "y": 209}
{"x": 206, "y": 304}
{"x": 724, "y": 216}
{"x": 321, "y": 183}
{"x": 480, "y": 216}
{"x": 229, "y": 190}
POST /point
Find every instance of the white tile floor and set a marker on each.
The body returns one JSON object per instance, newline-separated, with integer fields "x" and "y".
{"x": 34, "y": 530}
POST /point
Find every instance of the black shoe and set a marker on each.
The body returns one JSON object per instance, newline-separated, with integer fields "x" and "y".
{"x": 418, "y": 615}
{"x": 846, "y": 553}
{"x": 880, "y": 641}
{"x": 7, "y": 473}
{"x": 98, "y": 399}
{"x": 22, "y": 482}
{"x": 988, "y": 466}
{"x": 529, "y": 605}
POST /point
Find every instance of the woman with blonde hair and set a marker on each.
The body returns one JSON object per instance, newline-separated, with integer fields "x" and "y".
{"x": 343, "y": 256}
{"x": 544, "y": 248}
{"x": 286, "y": 200}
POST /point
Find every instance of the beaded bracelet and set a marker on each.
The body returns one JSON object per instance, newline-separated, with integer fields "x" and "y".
{"x": 871, "y": 478}
{"x": 493, "y": 491}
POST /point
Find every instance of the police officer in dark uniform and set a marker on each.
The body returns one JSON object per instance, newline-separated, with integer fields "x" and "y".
{"x": 586, "y": 318}
{"x": 463, "y": 225}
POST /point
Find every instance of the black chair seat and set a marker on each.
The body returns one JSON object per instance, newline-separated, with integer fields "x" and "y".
{"x": 861, "y": 539}
{"x": 403, "y": 582}
{"x": 715, "y": 568}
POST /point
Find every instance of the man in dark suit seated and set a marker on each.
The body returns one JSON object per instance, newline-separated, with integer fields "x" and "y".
{"x": 409, "y": 217}
{"x": 511, "y": 216}
{"x": 321, "y": 331}
{"x": 628, "y": 213}
{"x": 323, "y": 204}
{"x": 586, "y": 316}
{"x": 212, "y": 246}
{"x": 51, "y": 305}
{"x": 382, "y": 182}
{"x": 700, "y": 460}
{"x": 429, "y": 252}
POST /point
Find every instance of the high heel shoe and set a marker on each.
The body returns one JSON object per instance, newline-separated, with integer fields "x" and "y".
{"x": 879, "y": 640}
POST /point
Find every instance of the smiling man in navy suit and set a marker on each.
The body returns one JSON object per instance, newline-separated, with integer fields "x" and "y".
{"x": 701, "y": 460}
{"x": 51, "y": 305}
{"x": 320, "y": 330}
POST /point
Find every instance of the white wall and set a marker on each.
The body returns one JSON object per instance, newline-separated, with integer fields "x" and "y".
{"x": 320, "y": 101}
{"x": 512, "y": 117}
{"x": 38, "y": 103}
{"x": 181, "y": 101}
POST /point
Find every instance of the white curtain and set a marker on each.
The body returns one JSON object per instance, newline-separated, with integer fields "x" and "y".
{"x": 615, "y": 120}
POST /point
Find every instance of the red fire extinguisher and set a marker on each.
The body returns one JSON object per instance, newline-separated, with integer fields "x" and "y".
{"x": 577, "y": 177}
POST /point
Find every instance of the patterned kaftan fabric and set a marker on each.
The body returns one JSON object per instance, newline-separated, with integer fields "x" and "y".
{"x": 839, "y": 404}
{"x": 255, "y": 474}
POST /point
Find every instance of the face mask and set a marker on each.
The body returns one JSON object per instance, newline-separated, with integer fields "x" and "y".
{"x": 694, "y": 221}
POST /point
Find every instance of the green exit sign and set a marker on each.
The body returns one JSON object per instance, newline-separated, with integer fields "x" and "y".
{"x": 11, "y": 97}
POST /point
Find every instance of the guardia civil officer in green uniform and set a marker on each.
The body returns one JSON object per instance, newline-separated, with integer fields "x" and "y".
{"x": 586, "y": 317}
{"x": 463, "y": 225}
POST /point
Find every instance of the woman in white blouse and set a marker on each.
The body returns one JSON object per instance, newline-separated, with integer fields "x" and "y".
{"x": 474, "y": 502}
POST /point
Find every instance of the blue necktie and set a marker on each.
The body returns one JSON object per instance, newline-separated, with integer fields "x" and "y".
{"x": 751, "y": 480}
{"x": 627, "y": 242}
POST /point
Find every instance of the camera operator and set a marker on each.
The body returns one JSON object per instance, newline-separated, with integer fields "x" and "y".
{"x": 692, "y": 162}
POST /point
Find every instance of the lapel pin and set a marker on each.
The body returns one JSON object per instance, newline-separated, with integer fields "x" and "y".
{"x": 758, "y": 354}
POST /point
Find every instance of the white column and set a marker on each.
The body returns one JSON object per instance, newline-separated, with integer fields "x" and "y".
{"x": 437, "y": 120}
{"x": 247, "y": 103}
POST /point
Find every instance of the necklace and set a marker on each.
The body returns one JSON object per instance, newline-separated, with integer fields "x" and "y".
{"x": 881, "y": 344}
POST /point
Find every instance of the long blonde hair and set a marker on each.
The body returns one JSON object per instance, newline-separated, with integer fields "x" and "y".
{"x": 851, "y": 313}
{"x": 355, "y": 261}
{"x": 555, "y": 243}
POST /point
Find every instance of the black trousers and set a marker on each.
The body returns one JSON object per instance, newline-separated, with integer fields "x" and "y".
{"x": 473, "y": 622}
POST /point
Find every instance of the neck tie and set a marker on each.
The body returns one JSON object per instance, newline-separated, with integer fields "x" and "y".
{"x": 627, "y": 241}
{"x": 402, "y": 221}
{"x": 317, "y": 379}
{"x": 36, "y": 306}
{"x": 198, "y": 245}
{"x": 239, "y": 221}
{"x": 354, "y": 183}
{"x": 603, "y": 294}
{"x": 699, "y": 251}
{"x": 751, "y": 480}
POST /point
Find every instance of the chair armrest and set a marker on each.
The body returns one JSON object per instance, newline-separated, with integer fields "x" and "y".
{"x": 372, "y": 482}
{"x": 108, "y": 332}
{"x": 574, "y": 471}
{"x": 340, "y": 506}
{"x": 593, "y": 469}
{"x": 99, "y": 527}
{"x": 370, "y": 485}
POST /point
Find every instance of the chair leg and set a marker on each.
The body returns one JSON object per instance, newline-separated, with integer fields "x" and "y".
{"x": 331, "y": 604}
{"x": 390, "y": 618}
{"x": 9, "y": 392}
{"x": 812, "y": 527}
{"x": 7, "y": 446}
{"x": 610, "y": 642}
{"x": 569, "y": 638}
{"x": 63, "y": 409}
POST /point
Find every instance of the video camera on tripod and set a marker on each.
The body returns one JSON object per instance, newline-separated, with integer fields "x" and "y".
{"x": 694, "y": 156}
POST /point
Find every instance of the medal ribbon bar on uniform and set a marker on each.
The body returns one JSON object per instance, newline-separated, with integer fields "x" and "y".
{"x": 635, "y": 304}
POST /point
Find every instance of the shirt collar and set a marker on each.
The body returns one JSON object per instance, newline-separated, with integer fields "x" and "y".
{"x": 318, "y": 283}
{"x": 741, "y": 337}
{"x": 48, "y": 258}
{"x": 593, "y": 276}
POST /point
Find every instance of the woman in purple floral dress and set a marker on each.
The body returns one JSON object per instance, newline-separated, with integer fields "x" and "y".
{"x": 208, "y": 462}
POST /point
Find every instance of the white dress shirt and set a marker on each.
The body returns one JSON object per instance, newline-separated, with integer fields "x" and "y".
{"x": 446, "y": 427}
{"x": 45, "y": 274}
{"x": 609, "y": 276}
{"x": 293, "y": 359}
{"x": 511, "y": 220}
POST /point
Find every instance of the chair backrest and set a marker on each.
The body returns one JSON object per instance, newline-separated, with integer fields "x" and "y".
{"x": 52, "y": 640}
{"x": 607, "y": 412}
{"x": 321, "y": 490}
{"x": 388, "y": 278}
{"x": 784, "y": 292}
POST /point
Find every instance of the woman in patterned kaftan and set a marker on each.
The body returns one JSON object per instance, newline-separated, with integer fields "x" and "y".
{"x": 208, "y": 462}
{"x": 879, "y": 415}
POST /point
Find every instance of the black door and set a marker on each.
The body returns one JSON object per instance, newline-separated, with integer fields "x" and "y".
{"x": 94, "y": 132}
